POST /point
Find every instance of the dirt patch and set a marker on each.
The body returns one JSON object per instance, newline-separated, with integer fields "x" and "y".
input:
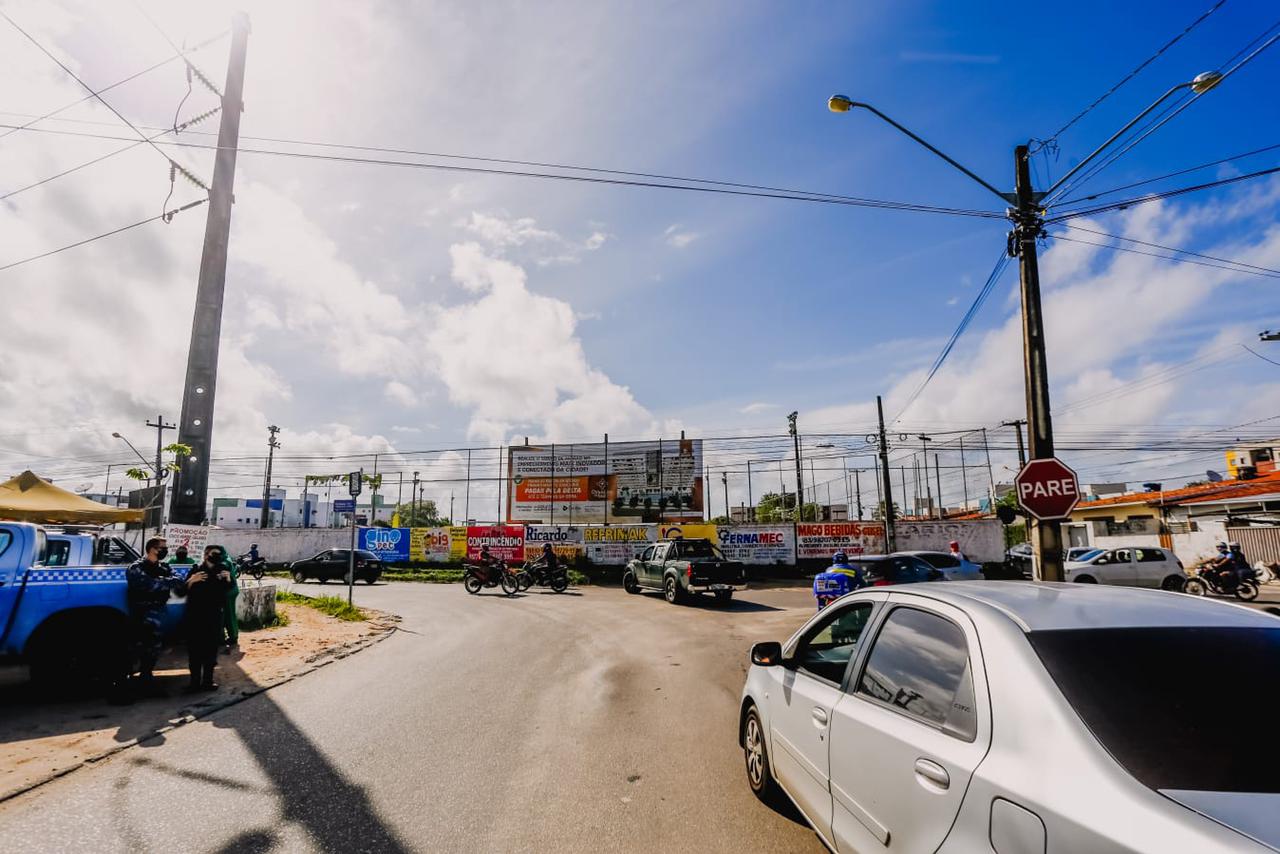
{"x": 41, "y": 739}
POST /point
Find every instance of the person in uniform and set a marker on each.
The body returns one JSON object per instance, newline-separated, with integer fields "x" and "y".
{"x": 207, "y": 587}
{"x": 838, "y": 579}
{"x": 149, "y": 582}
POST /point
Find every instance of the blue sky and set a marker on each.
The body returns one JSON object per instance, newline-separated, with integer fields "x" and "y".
{"x": 372, "y": 308}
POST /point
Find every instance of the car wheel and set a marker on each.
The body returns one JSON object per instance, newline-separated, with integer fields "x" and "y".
{"x": 1174, "y": 583}
{"x": 371, "y": 579}
{"x": 671, "y": 590}
{"x": 323, "y": 580}
{"x": 724, "y": 597}
{"x": 298, "y": 576}
{"x": 629, "y": 583}
{"x": 759, "y": 774}
{"x": 1086, "y": 579}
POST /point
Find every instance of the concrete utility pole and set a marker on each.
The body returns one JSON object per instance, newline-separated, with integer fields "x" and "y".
{"x": 751, "y": 501}
{"x": 1017, "y": 431}
{"x": 272, "y": 444}
{"x": 937, "y": 476}
{"x": 857, "y": 488}
{"x": 795, "y": 438}
{"x": 466, "y": 503}
{"x": 413, "y": 498}
{"x": 964, "y": 475}
{"x": 890, "y": 535}
{"x": 724, "y": 479}
{"x": 158, "y": 499}
{"x": 928, "y": 490}
{"x": 991, "y": 475}
{"x": 196, "y": 424}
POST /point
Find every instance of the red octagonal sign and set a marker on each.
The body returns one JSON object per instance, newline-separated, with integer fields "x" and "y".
{"x": 1047, "y": 489}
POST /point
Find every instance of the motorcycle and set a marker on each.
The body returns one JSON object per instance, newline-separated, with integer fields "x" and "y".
{"x": 534, "y": 572}
{"x": 479, "y": 576}
{"x": 1207, "y": 580}
{"x": 256, "y": 568}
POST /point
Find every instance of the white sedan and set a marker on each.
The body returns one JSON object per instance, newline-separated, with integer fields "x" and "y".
{"x": 1017, "y": 717}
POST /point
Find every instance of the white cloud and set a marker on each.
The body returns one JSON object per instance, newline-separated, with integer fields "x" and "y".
{"x": 514, "y": 359}
{"x": 508, "y": 232}
{"x": 677, "y": 236}
{"x": 595, "y": 241}
{"x": 398, "y": 392}
{"x": 756, "y": 408}
{"x": 953, "y": 301}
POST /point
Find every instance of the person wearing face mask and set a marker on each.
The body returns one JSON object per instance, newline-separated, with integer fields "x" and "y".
{"x": 150, "y": 581}
{"x": 207, "y": 587}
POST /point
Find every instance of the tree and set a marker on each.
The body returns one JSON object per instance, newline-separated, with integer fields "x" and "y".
{"x": 878, "y": 513}
{"x": 721, "y": 520}
{"x": 177, "y": 449}
{"x": 774, "y": 508}
{"x": 423, "y": 514}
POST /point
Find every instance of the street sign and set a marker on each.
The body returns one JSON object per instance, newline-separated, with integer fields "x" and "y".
{"x": 1047, "y": 489}
{"x": 344, "y": 505}
{"x": 355, "y": 482}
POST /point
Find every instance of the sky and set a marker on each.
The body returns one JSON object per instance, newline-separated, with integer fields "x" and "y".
{"x": 389, "y": 309}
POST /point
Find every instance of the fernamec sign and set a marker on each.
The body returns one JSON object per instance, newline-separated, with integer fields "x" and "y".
{"x": 1047, "y": 489}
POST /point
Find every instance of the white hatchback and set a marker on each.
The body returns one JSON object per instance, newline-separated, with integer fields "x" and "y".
{"x": 1018, "y": 717}
{"x": 1139, "y": 566}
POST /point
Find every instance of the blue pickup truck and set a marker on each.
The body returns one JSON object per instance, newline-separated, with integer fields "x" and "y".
{"x": 69, "y": 620}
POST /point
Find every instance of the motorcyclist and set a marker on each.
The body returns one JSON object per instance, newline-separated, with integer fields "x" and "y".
{"x": 254, "y": 557}
{"x": 1239, "y": 563}
{"x": 837, "y": 580}
{"x": 489, "y": 562}
{"x": 549, "y": 560}
{"x": 1223, "y": 568}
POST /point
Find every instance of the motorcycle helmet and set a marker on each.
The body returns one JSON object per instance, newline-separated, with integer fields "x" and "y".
{"x": 839, "y": 557}
{"x": 1222, "y": 547}
{"x": 546, "y": 548}
{"x": 1233, "y": 546}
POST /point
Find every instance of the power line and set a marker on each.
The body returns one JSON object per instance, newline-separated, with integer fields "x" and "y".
{"x": 1146, "y": 181}
{"x": 1259, "y": 355}
{"x": 1134, "y": 73}
{"x": 191, "y": 177}
{"x": 1250, "y": 268}
{"x": 1163, "y": 257}
{"x": 694, "y": 185}
{"x": 37, "y": 119}
{"x": 1001, "y": 263}
{"x": 167, "y": 215}
{"x": 1155, "y": 197}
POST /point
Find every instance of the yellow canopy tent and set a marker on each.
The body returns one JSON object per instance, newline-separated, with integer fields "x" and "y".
{"x": 29, "y": 498}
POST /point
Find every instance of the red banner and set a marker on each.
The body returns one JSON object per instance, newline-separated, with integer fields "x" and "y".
{"x": 504, "y": 541}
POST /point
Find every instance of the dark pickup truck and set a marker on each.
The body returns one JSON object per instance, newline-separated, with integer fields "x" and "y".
{"x": 682, "y": 568}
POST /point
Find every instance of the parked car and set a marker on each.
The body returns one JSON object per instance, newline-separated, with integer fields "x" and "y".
{"x": 954, "y": 568}
{"x": 896, "y": 568}
{"x": 1076, "y": 553}
{"x": 945, "y": 717}
{"x": 1144, "y": 566}
{"x": 1021, "y": 559}
{"x": 685, "y": 567}
{"x": 332, "y": 564}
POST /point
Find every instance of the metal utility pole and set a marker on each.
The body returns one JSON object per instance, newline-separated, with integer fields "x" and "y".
{"x": 1017, "y": 431}
{"x": 724, "y": 479}
{"x": 991, "y": 475}
{"x": 413, "y": 498}
{"x": 889, "y": 520}
{"x": 373, "y": 496}
{"x": 158, "y": 499}
{"x": 937, "y": 476}
{"x": 928, "y": 490}
{"x": 751, "y": 501}
{"x": 795, "y": 438}
{"x": 265, "y": 520}
{"x": 857, "y": 487}
{"x": 195, "y": 429}
{"x": 964, "y": 475}
{"x": 451, "y": 519}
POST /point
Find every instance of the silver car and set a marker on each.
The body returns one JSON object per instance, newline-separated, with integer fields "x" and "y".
{"x": 1021, "y": 717}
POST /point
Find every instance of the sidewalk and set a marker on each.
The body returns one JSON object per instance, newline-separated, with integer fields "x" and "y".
{"x": 42, "y": 738}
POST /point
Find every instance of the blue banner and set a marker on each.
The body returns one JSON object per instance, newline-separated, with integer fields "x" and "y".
{"x": 389, "y": 544}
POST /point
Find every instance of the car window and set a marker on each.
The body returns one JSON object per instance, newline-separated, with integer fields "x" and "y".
{"x": 1121, "y": 556}
{"x": 647, "y": 554}
{"x": 696, "y": 548}
{"x": 827, "y": 648}
{"x": 939, "y": 560}
{"x": 6, "y": 537}
{"x": 362, "y": 554}
{"x": 58, "y": 553}
{"x": 920, "y": 664}
{"x": 1130, "y": 687}
{"x": 1149, "y": 555}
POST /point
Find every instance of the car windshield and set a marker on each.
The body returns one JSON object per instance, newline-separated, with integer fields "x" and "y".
{"x": 869, "y": 566}
{"x": 361, "y": 554}
{"x": 697, "y": 548}
{"x": 1087, "y": 554}
{"x": 1169, "y": 703}
{"x": 938, "y": 560}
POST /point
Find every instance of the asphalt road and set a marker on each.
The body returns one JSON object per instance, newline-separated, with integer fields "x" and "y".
{"x": 589, "y": 721}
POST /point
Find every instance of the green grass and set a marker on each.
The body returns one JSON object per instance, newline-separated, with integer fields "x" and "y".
{"x": 331, "y": 605}
{"x": 430, "y": 576}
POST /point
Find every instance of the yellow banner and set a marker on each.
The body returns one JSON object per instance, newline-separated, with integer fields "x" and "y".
{"x": 688, "y": 532}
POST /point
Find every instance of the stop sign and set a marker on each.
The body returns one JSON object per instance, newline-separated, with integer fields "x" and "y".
{"x": 1047, "y": 489}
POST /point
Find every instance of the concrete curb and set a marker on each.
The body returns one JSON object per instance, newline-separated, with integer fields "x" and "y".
{"x": 385, "y": 625}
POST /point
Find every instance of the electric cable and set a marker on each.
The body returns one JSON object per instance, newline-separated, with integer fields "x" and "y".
{"x": 1265, "y": 275}
{"x": 1173, "y": 249}
{"x": 1155, "y": 197}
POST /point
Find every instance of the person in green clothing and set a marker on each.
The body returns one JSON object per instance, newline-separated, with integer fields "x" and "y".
{"x": 181, "y": 558}
{"x": 230, "y": 624}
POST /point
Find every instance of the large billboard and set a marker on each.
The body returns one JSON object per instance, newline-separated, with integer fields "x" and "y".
{"x": 625, "y": 482}
{"x": 822, "y": 540}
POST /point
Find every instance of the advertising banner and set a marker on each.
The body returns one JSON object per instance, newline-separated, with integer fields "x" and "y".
{"x": 822, "y": 540}
{"x": 504, "y": 541}
{"x": 980, "y": 539}
{"x": 567, "y": 542}
{"x": 617, "y": 544}
{"x": 429, "y": 545}
{"x": 758, "y": 544}
{"x": 696, "y": 531}
{"x": 391, "y": 545}
{"x": 194, "y": 537}
{"x": 628, "y": 481}
{"x": 457, "y": 542}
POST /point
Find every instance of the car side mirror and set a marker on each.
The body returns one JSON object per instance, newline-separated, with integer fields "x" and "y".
{"x": 766, "y": 654}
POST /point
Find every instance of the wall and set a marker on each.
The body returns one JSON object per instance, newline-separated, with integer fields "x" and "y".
{"x": 981, "y": 540}
{"x": 278, "y": 545}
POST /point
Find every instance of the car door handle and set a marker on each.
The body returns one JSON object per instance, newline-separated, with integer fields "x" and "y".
{"x": 933, "y": 772}
{"x": 820, "y": 715}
